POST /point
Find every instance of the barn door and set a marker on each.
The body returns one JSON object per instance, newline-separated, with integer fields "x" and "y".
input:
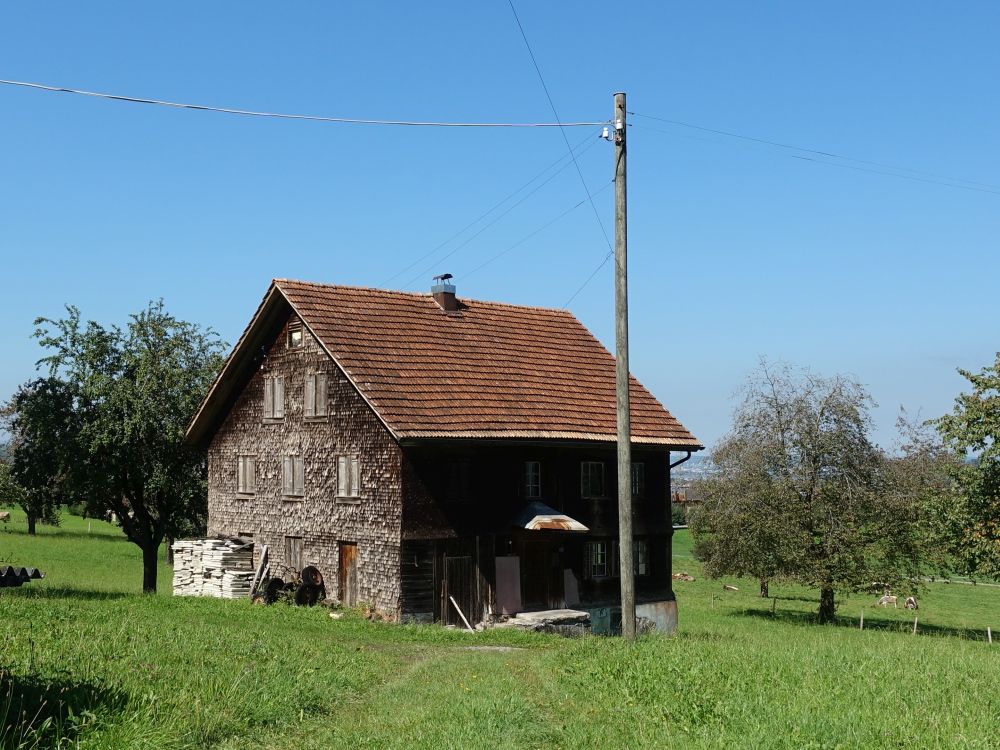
{"x": 348, "y": 574}
{"x": 458, "y": 584}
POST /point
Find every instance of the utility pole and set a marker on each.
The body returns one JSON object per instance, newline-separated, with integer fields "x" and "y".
{"x": 625, "y": 552}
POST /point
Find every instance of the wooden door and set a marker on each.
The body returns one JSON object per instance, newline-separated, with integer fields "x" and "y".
{"x": 348, "y": 574}
{"x": 458, "y": 585}
{"x": 542, "y": 584}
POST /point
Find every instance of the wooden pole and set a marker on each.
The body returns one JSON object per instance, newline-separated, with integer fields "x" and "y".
{"x": 460, "y": 614}
{"x": 625, "y": 552}
{"x": 862, "y": 625}
{"x": 914, "y": 626}
{"x": 989, "y": 636}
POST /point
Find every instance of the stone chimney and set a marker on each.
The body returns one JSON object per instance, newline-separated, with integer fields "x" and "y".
{"x": 444, "y": 293}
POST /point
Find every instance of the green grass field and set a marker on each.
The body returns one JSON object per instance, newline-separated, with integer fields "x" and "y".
{"x": 164, "y": 672}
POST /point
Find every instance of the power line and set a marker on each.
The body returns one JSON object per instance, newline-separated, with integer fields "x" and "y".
{"x": 610, "y": 254}
{"x": 315, "y": 118}
{"x": 829, "y": 154}
{"x": 548, "y": 96}
{"x": 454, "y": 250}
{"x": 528, "y": 236}
{"x": 486, "y": 213}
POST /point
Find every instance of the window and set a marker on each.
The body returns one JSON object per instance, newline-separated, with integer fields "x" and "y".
{"x": 295, "y": 334}
{"x": 348, "y": 476}
{"x": 315, "y": 395}
{"x": 274, "y": 397}
{"x": 640, "y": 550}
{"x": 293, "y": 552}
{"x": 293, "y": 476}
{"x": 457, "y": 489}
{"x": 592, "y": 479}
{"x": 639, "y": 480}
{"x": 246, "y": 477}
{"x": 532, "y": 479}
{"x": 596, "y": 560}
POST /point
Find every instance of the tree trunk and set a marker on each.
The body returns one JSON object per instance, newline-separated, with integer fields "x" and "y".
{"x": 149, "y": 560}
{"x": 763, "y": 588}
{"x": 32, "y": 520}
{"x": 826, "y": 606}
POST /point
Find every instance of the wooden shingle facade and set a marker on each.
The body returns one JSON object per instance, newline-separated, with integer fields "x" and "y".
{"x": 420, "y": 448}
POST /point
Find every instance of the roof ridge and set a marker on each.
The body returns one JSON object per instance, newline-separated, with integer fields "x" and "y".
{"x": 425, "y": 295}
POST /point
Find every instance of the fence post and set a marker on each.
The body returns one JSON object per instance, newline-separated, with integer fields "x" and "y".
{"x": 989, "y": 635}
{"x": 862, "y": 625}
{"x": 914, "y": 626}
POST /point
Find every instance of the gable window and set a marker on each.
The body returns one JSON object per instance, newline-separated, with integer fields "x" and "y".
{"x": 295, "y": 334}
{"x": 639, "y": 480}
{"x": 293, "y": 552}
{"x": 641, "y": 552}
{"x": 533, "y": 479}
{"x": 274, "y": 397}
{"x": 458, "y": 486}
{"x": 293, "y": 476}
{"x": 246, "y": 475}
{"x": 348, "y": 476}
{"x": 315, "y": 395}
{"x": 595, "y": 563}
{"x": 592, "y": 479}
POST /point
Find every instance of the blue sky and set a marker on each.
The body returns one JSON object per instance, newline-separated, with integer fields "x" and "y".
{"x": 737, "y": 249}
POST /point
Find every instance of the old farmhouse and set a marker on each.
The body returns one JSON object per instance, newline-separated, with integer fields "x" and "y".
{"x": 417, "y": 448}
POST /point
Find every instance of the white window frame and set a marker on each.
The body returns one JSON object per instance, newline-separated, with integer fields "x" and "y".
{"x": 296, "y": 335}
{"x": 315, "y": 395}
{"x": 349, "y": 476}
{"x": 586, "y": 479}
{"x": 533, "y": 479}
{"x": 246, "y": 475}
{"x": 293, "y": 476}
{"x": 598, "y": 549}
{"x": 274, "y": 397}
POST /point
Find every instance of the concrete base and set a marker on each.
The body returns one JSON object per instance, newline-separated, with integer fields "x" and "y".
{"x": 663, "y": 615}
{"x": 570, "y": 622}
{"x": 660, "y": 616}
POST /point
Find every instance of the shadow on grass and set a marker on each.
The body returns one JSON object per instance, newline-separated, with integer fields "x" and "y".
{"x": 59, "y": 533}
{"x": 889, "y": 626}
{"x": 53, "y": 711}
{"x": 68, "y": 592}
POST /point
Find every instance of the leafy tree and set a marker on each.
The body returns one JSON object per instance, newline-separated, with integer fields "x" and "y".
{"x": 972, "y": 519}
{"x": 133, "y": 392}
{"x": 40, "y": 420}
{"x": 803, "y": 494}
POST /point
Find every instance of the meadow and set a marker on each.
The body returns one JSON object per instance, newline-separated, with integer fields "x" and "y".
{"x": 87, "y": 661}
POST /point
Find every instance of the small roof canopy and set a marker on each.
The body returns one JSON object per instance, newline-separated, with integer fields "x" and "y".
{"x": 536, "y": 516}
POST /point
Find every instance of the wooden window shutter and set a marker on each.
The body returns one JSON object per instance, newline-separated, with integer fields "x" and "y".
{"x": 268, "y": 398}
{"x": 286, "y": 476}
{"x": 300, "y": 475}
{"x": 251, "y": 479}
{"x": 342, "y": 478}
{"x": 355, "y": 477}
{"x": 321, "y": 397}
{"x": 279, "y": 397}
{"x": 309, "y": 408}
{"x": 240, "y": 478}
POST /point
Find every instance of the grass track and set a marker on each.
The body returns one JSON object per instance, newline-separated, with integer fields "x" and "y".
{"x": 163, "y": 672}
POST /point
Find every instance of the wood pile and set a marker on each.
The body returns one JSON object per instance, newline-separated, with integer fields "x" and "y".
{"x": 221, "y": 568}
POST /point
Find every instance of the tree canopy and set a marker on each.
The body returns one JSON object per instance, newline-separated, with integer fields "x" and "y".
{"x": 972, "y": 518}
{"x": 803, "y": 494}
{"x": 128, "y": 396}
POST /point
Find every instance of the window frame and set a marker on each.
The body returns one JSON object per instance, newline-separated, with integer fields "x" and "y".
{"x": 592, "y": 547}
{"x": 274, "y": 398}
{"x": 348, "y": 477}
{"x": 246, "y": 464}
{"x": 533, "y": 482}
{"x": 586, "y": 478}
{"x": 316, "y": 383}
{"x": 640, "y": 562}
{"x": 295, "y": 329}
{"x": 293, "y": 483}
{"x": 639, "y": 473}
{"x": 458, "y": 481}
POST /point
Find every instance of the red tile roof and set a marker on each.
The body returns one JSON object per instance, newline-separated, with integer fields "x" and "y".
{"x": 491, "y": 370}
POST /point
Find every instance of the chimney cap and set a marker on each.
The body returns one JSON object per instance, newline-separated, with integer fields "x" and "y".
{"x": 443, "y": 277}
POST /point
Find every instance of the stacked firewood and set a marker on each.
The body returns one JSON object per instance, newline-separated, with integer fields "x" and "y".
{"x": 221, "y": 568}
